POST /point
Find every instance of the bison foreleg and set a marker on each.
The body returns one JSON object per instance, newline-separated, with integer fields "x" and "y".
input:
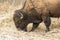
{"x": 35, "y": 24}
{"x": 46, "y": 18}
{"x": 23, "y": 25}
{"x": 47, "y": 22}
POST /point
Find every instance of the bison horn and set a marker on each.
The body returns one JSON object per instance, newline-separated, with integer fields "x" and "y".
{"x": 21, "y": 16}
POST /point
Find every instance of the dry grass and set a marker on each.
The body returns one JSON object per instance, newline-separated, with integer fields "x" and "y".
{"x": 8, "y": 30}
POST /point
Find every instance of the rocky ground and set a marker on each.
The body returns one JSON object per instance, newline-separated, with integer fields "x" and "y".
{"x": 8, "y": 30}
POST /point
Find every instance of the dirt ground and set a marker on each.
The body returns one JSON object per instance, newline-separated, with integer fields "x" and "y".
{"x": 8, "y": 30}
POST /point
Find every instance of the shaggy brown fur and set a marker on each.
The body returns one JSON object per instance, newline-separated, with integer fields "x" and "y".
{"x": 36, "y": 11}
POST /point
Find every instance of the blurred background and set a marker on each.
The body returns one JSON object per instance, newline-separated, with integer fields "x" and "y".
{"x": 6, "y": 5}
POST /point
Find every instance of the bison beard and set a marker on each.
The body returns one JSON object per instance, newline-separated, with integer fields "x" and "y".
{"x": 40, "y": 10}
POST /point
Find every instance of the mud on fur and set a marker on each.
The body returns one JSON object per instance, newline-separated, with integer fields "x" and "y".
{"x": 36, "y": 11}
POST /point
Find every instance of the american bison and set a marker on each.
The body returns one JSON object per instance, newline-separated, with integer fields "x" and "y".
{"x": 36, "y": 11}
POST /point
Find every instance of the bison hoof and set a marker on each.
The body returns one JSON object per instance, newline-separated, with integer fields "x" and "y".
{"x": 47, "y": 30}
